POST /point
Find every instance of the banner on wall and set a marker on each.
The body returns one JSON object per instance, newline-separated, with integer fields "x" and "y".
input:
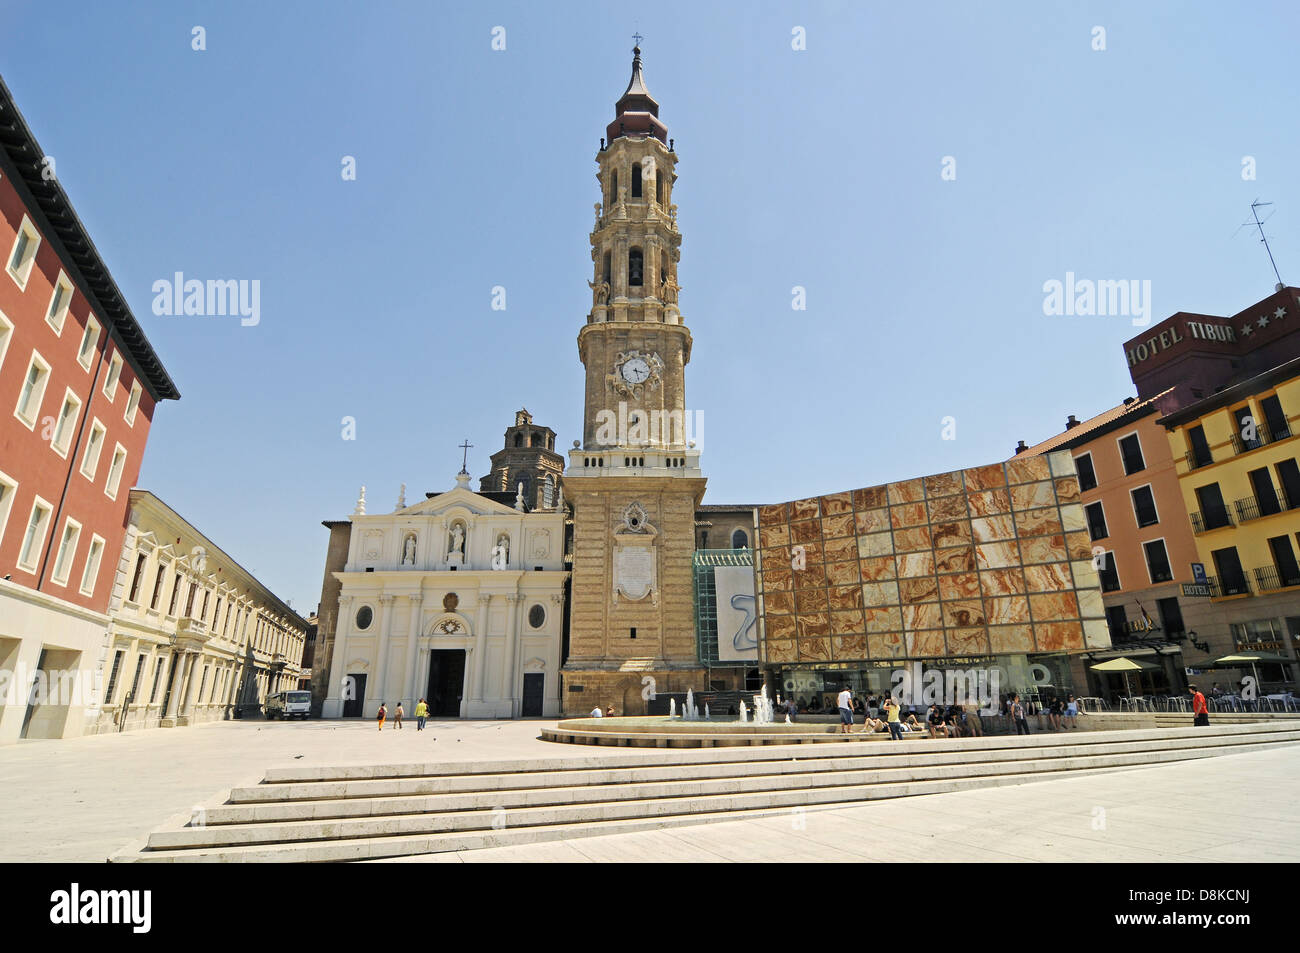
{"x": 737, "y": 613}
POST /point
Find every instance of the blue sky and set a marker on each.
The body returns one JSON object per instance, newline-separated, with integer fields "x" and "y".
{"x": 817, "y": 168}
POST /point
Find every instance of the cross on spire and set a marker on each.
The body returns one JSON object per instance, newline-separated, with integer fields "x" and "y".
{"x": 464, "y": 461}
{"x": 637, "y": 38}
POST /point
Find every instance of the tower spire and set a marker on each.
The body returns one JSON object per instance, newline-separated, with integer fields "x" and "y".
{"x": 637, "y": 112}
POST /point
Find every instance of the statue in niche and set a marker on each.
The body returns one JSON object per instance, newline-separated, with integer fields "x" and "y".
{"x": 668, "y": 289}
{"x": 503, "y": 547}
{"x": 408, "y": 549}
{"x": 457, "y": 542}
{"x": 599, "y": 293}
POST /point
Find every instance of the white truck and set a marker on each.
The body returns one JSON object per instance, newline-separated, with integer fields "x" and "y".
{"x": 295, "y": 704}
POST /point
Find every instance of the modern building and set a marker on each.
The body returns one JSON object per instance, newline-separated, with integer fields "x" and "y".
{"x": 986, "y": 570}
{"x": 194, "y": 637}
{"x": 79, "y": 384}
{"x": 1231, "y": 431}
{"x": 1141, "y": 538}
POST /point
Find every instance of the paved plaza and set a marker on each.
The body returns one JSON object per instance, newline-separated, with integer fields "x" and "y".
{"x": 83, "y": 799}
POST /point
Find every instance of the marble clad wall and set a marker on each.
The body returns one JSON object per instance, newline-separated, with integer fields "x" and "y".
{"x": 990, "y": 560}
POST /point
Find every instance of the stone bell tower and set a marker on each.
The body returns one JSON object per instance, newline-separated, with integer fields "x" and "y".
{"x": 635, "y": 480}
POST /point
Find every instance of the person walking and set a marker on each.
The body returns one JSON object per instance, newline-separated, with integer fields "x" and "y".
{"x": 1018, "y": 715}
{"x": 383, "y": 713}
{"x": 892, "y": 719}
{"x": 845, "y": 701}
{"x": 397, "y": 716}
{"x": 974, "y": 727}
{"x": 421, "y": 713}
{"x": 1200, "y": 710}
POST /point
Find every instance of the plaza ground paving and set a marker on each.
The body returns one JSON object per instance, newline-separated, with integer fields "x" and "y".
{"x": 83, "y": 799}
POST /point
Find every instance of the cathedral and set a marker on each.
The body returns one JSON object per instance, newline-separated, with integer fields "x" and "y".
{"x": 607, "y": 581}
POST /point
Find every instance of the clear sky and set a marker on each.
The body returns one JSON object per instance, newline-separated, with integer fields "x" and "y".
{"x": 819, "y": 168}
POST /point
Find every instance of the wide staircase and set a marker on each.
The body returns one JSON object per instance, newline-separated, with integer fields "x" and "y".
{"x": 377, "y": 811}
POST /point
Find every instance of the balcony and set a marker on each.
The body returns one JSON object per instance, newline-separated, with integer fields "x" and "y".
{"x": 1195, "y": 460}
{"x": 1207, "y": 520}
{"x": 1263, "y": 437}
{"x": 1270, "y": 577}
{"x": 1231, "y": 586}
{"x": 1253, "y": 508}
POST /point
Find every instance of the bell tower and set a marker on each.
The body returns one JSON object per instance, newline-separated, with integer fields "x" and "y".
{"x": 634, "y": 480}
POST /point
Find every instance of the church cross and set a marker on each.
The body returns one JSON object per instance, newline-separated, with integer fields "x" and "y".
{"x": 464, "y": 461}
{"x": 637, "y": 38}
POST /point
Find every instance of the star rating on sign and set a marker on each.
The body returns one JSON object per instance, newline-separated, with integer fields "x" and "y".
{"x": 1263, "y": 321}
{"x": 1279, "y": 314}
{"x": 1247, "y": 330}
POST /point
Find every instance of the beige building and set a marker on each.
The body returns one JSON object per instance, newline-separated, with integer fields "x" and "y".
{"x": 192, "y": 635}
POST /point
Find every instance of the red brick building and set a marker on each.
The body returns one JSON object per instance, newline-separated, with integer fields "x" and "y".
{"x": 79, "y": 383}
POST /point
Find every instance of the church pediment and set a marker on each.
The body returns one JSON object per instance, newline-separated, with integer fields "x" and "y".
{"x": 460, "y": 502}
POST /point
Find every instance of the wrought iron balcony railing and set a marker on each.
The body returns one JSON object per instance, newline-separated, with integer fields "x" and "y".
{"x": 1206, "y": 520}
{"x": 1230, "y": 586}
{"x": 1270, "y": 577}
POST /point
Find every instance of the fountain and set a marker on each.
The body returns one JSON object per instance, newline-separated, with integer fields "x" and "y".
{"x": 706, "y": 711}
{"x": 764, "y": 713}
{"x": 743, "y": 713}
{"x": 690, "y": 713}
{"x": 672, "y": 708}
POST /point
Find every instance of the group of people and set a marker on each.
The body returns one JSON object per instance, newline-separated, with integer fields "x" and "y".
{"x": 421, "y": 714}
{"x": 950, "y": 721}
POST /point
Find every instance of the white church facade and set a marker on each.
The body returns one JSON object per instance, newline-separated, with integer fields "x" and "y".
{"x": 459, "y": 600}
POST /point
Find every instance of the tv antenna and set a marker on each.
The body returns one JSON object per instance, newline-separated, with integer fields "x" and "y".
{"x": 1255, "y": 206}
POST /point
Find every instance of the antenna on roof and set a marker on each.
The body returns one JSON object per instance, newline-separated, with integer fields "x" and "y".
{"x": 1255, "y": 206}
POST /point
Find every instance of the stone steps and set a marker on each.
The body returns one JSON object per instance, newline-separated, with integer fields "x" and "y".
{"x": 365, "y": 812}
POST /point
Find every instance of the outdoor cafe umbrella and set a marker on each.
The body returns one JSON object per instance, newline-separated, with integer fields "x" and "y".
{"x": 1124, "y": 665}
{"x": 1234, "y": 661}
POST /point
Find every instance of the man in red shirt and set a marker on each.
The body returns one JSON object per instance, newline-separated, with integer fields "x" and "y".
{"x": 1200, "y": 710}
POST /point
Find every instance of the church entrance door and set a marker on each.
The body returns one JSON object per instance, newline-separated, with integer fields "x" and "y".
{"x": 446, "y": 682}
{"x": 534, "y": 684}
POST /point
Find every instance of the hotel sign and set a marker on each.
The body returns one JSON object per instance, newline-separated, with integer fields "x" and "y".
{"x": 1172, "y": 336}
{"x": 1192, "y": 589}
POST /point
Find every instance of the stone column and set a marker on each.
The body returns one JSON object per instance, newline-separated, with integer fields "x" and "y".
{"x": 512, "y": 642}
{"x": 412, "y": 637}
{"x": 191, "y": 687}
{"x": 480, "y": 637}
{"x": 181, "y": 661}
{"x": 381, "y": 651}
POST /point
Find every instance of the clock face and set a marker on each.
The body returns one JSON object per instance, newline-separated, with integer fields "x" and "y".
{"x": 636, "y": 370}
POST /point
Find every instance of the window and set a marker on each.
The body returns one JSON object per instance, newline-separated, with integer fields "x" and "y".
{"x": 91, "y": 573}
{"x": 1130, "y": 451}
{"x": 1096, "y": 520}
{"x": 1275, "y": 418}
{"x": 613, "y": 187}
{"x": 1261, "y": 484}
{"x": 60, "y": 299}
{"x": 1109, "y": 574}
{"x": 189, "y": 602}
{"x": 132, "y": 403}
{"x": 67, "y": 549}
{"x": 1231, "y": 580}
{"x": 157, "y": 671}
{"x": 34, "y": 538}
{"x": 740, "y": 539}
{"x": 365, "y": 615}
{"x": 176, "y": 594}
{"x": 1288, "y": 474}
{"x": 112, "y": 677}
{"x": 1247, "y": 428}
{"x": 89, "y": 338}
{"x": 635, "y": 264}
{"x": 6, "y": 335}
{"x": 66, "y": 424}
{"x": 537, "y": 616}
{"x": 159, "y": 580}
{"x": 1171, "y": 617}
{"x": 1144, "y": 506}
{"x": 1087, "y": 475}
{"x": 1117, "y": 622}
{"x": 1262, "y": 632}
{"x": 8, "y": 489}
{"x": 1213, "y": 513}
{"x": 23, "y": 253}
{"x": 608, "y": 268}
{"x": 114, "y": 372}
{"x": 548, "y": 492}
{"x": 1157, "y": 561}
{"x": 659, "y": 188}
{"x": 115, "y": 472}
{"x": 137, "y": 578}
{"x": 636, "y": 180}
{"x": 1288, "y": 571}
{"x": 1200, "y": 447}
{"x": 140, "y": 662}
{"x": 33, "y": 390}
{"x": 94, "y": 447}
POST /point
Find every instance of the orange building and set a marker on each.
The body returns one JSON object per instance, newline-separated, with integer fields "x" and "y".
{"x": 1142, "y": 539}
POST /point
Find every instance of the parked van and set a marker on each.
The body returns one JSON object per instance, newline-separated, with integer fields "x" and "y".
{"x": 288, "y": 705}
